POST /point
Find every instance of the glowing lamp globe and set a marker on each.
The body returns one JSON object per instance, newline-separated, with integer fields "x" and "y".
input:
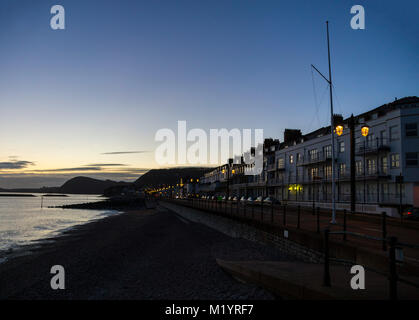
{"x": 339, "y": 130}
{"x": 365, "y": 130}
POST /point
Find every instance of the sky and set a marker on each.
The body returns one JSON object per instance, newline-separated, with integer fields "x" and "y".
{"x": 89, "y": 99}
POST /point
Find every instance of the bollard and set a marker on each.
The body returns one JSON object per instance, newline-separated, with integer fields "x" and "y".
{"x": 326, "y": 271}
{"x": 384, "y": 230}
{"x": 393, "y": 271}
{"x": 344, "y": 225}
{"x": 298, "y": 216}
{"x": 318, "y": 219}
{"x": 284, "y": 222}
{"x": 272, "y": 212}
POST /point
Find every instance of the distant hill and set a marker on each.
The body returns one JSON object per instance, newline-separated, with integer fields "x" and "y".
{"x": 77, "y": 185}
{"x": 85, "y": 185}
{"x": 170, "y": 176}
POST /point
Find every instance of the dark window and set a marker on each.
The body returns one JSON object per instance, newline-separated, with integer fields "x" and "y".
{"x": 411, "y": 158}
{"x": 411, "y": 129}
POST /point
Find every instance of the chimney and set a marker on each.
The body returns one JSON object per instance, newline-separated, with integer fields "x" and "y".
{"x": 292, "y": 135}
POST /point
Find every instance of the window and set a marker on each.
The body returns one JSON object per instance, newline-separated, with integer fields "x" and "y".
{"x": 341, "y": 146}
{"x": 371, "y": 141}
{"x": 394, "y": 133}
{"x": 411, "y": 129}
{"x": 281, "y": 163}
{"x": 411, "y": 159}
{"x": 298, "y": 157}
{"x": 327, "y": 171}
{"x": 395, "y": 160}
{"x": 327, "y": 151}
{"x": 358, "y": 167}
{"x": 383, "y": 136}
{"x": 384, "y": 165}
{"x": 313, "y": 154}
{"x": 371, "y": 165}
{"x": 291, "y": 158}
{"x": 342, "y": 169}
{"x": 314, "y": 172}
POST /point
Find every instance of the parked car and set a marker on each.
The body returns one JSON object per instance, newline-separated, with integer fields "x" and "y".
{"x": 234, "y": 199}
{"x": 243, "y": 199}
{"x": 269, "y": 200}
{"x": 259, "y": 200}
{"x": 250, "y": 200}
{"x": 412, "y": 214}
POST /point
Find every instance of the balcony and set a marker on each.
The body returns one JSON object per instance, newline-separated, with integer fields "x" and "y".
{"x": 319, "y": 157}
{"x": 371, "y": 146}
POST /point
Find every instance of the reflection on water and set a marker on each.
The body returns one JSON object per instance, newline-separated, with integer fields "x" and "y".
{"x": 22, "y": 220}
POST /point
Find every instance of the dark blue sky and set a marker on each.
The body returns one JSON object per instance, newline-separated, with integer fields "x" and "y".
{"x": 123, "y": 69}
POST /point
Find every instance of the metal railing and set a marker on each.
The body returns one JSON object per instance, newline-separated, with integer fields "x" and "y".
{"x": 269, "y": 213}
{"x": 391, "y": 242}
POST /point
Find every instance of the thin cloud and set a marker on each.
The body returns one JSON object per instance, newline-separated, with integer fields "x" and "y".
{"x": 106, "y": 165}
{"x": 21, "y": 164}
{"x": 124, "y": 152}
{"x": 70, "y": 169}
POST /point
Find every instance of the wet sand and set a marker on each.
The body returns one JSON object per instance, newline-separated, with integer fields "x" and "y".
{"x": 139, "y": 254}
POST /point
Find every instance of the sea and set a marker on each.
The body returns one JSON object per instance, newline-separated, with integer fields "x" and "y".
{"x": 29, "y": 220}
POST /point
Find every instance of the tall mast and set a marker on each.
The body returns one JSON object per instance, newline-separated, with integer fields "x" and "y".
{"x": 332, "y": 126}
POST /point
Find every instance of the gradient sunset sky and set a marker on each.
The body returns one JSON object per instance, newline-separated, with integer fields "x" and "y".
{"x": 89, "y": 99}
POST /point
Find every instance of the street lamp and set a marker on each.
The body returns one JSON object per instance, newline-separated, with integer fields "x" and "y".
{"x": 364, "y": 131}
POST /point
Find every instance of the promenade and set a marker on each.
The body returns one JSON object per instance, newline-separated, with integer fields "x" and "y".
{"x": 365, "y": 242}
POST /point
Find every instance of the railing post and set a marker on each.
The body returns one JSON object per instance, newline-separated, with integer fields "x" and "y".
{"x": 253, "y": 211}
{"x": 318, "y": 219}
{"x": 384, "y": 230}
{"x": 261, "y": 210}
{"x": 313, "y": 211}
{"x": 272, "y": 212}
{"x": 344, "y": 225}
{"x": 231, "y": 207}
{"x": 238, "y": 207}
{"x": 326, "y": 272}
{"x": 298, "y": 216}
{"x": 284, "y": 222}
{"x": 393, "y": 271}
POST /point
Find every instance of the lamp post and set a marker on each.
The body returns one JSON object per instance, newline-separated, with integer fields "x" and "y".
{"x": 229, "y": 165}
{"x": 364, "y": 132}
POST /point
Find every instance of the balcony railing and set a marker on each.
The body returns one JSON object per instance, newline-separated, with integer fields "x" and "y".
{"x": 372, "y": 146}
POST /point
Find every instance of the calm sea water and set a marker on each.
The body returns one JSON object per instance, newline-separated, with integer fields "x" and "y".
{"x": 23, "y": 221}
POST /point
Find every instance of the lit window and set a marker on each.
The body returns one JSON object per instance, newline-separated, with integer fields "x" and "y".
{"x": 395, "y": 160}
{"x": 358, "y": 166}
{"x": 341, "y": 146}
{"x": 342, "y": 169}
{"x": 384, "y": 164}
{"x": 313, "y": 154}
{"x": 291, "y": 158}
{"x": 327, "y": 150}
{"x": 281, "y": 163}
